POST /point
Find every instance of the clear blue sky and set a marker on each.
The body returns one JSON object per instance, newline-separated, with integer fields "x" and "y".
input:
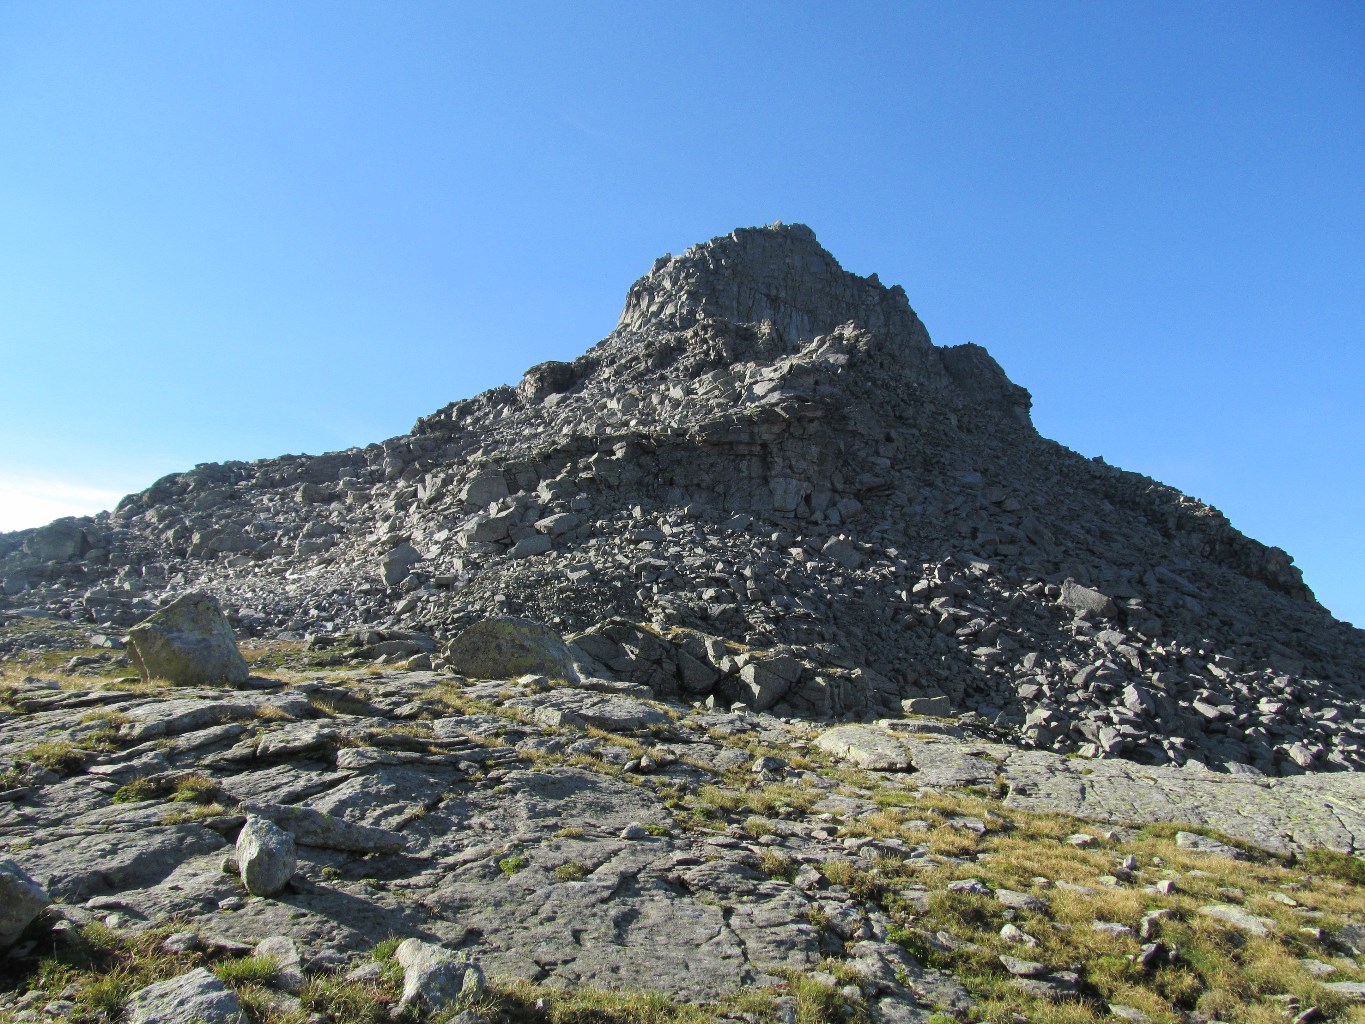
{"x": 238, "y": 230}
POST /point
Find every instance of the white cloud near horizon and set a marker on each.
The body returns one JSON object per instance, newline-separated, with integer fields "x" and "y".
{"x": 29, "y": 500}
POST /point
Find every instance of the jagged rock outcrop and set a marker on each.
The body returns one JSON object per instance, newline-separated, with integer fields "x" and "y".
{"x": 767, "y": 486}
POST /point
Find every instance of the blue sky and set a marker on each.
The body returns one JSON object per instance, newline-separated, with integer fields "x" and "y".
{"x": 239, "y": 230}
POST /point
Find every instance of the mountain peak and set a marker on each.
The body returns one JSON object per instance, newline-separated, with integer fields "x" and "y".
{"x": 779, "y": 274}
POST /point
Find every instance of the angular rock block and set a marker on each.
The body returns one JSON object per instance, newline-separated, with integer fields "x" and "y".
{"x": 266, "y": 856}
{"x": 187, "y": 642}
{"x": 21, "y": 900}
{"x": 506, "y": 647}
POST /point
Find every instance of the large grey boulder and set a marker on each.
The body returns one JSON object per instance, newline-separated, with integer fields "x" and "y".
{"x": 57, "y": 541}
{"x": 21, "y": 900}
{"x": 506, "y": 647}
{"x": 397, "y": 563}
{"x": 1086, "y": 601}
{"x": 265, "y": 856}
{"x": 436, "y": 978}
{"x": 767, "y": 680}
{"x": 485, "y": 487}
{"x": 187, "y": 642}
{"x": 194, "y": 998}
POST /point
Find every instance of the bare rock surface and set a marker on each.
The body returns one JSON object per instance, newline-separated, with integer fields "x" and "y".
{"x": 591, "y": 846}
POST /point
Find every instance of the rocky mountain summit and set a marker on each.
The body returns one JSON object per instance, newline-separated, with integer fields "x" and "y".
{"x": 761, "y": 666}
{"x": 766, "y": 486}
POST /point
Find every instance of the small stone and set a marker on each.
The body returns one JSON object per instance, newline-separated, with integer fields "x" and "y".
{"x": 1021, "y": 968}
{"x": 1112, "y": 929}
{"x": 1152, "y": 955}
{"x": 1128, "y": 1013}
{"x": 181, "y": 942}
{"x": 974, "y": 886}
{"x": 366, "y": 972}
{"x": 1239, "y": 918}
{"x": 1151, "y": 923}
{"x": 1020, "y": 901}
{"x": 634, "y": 831}
{"x": 1016, "y": 936}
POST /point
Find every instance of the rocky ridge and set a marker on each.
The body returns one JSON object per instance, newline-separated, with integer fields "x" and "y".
{"x": 766, "y": 486}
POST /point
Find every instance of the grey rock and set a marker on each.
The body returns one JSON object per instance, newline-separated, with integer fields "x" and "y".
{"x": 506, "y": 647}
{"x": 573, "y": 707}
{"x": 767, "y": 680}
{"x": 265, "y": 855}
{"x": 194, "y": 998}
{"x": 311, "y": 827}
{"x": 1021, "y": 968}
{"x": 397, "y": 563}
{"x": 1351, "y": 991}
{"x": 21, "y": 900}
{"x": 1203, "y": 844}
{"x": 1087, "y": 601}
{"x": 485, "y": 487}
{"x": 435, "y": 978}
{"x": 1238, "y": 918}
{"x": 866, "y": 747}
{"x": 188, "y": 642}
{"x": 537, "y": 544}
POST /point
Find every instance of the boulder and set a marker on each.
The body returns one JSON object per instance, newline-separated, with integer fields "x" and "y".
{"x": 21, "y": 900}
{"x": 536, "y": 544}
{"x": 767, "y": 680}
{"x": 435, "y": 978}
{"x": 396, "y": 564}
{"x": 1086, "y": 601}
{"x": 484, "y": 488}
{"x": 57, "y": 541}
{"x": 187, "y": 642}
{"x": 934, "y": 706}
{"x": 194, "y": 998}
{"x": 265, "y": 856}
{"x": 506, "y": 647}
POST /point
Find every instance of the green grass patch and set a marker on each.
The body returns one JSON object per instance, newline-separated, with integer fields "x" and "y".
{"x": 509, "y": 866}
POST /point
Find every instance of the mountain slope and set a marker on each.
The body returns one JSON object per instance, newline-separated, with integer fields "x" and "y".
{"x": 765, "y": 485}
